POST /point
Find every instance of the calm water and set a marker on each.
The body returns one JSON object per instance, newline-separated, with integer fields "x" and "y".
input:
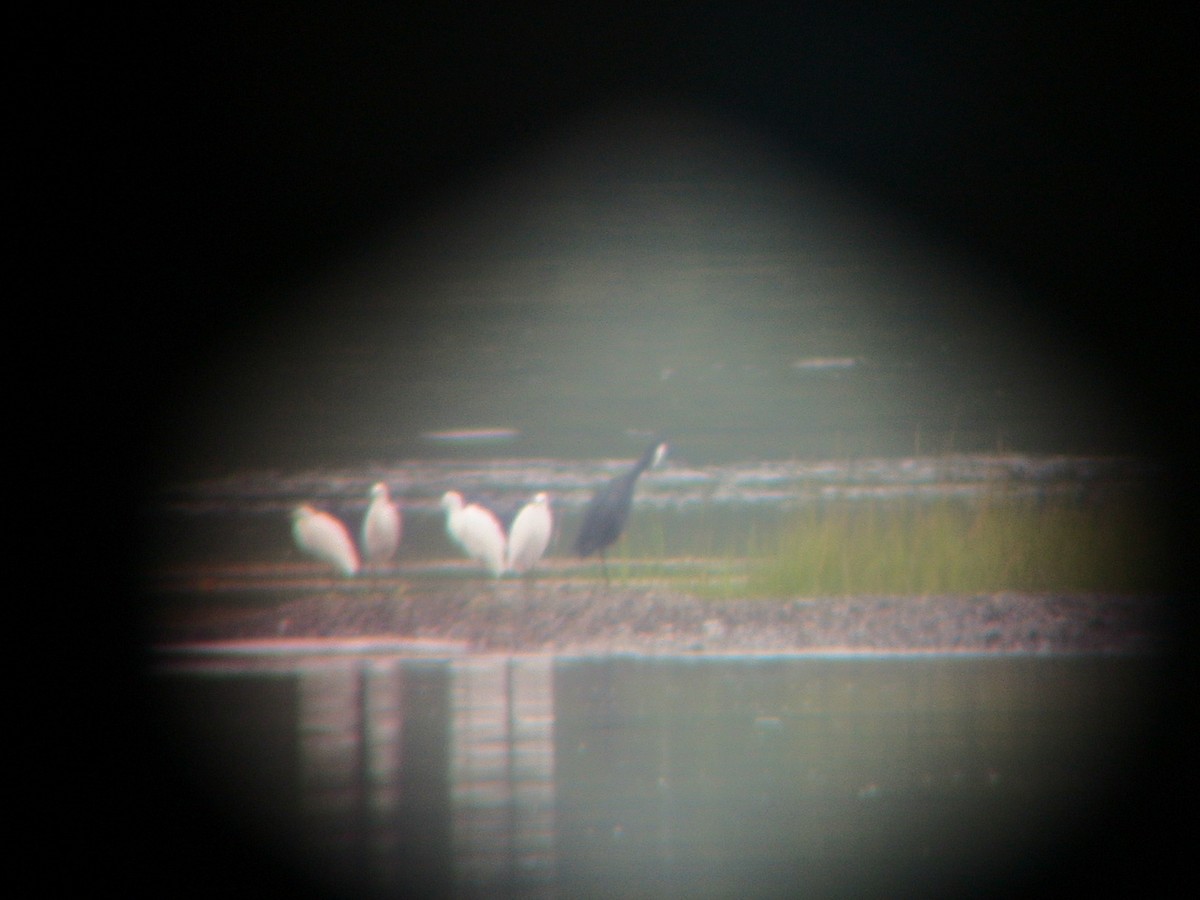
{"x": 743, "y": 776}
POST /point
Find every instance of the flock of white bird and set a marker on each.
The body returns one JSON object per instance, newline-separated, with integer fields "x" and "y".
{"x": 479, "y": 532}
{"x": 474, "y": 527}
{"x": 477, "y": 529}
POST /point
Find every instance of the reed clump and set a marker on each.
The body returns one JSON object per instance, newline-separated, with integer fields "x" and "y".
{"x": 952, "y": 545}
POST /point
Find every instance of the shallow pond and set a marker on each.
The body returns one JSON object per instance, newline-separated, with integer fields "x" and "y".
{"x": 354, "y": 768}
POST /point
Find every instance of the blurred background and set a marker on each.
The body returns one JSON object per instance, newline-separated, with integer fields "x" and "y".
{"x": 375, "y": 224}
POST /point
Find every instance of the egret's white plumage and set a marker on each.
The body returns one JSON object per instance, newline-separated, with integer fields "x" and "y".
{"x": 324, "y": 537}
{"x": 530, "y": 534}
{"x": 476, "y": 530}
{"x": 382, "y": 527}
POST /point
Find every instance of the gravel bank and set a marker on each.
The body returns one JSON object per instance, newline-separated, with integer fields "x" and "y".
{"x": 572, "y": 617}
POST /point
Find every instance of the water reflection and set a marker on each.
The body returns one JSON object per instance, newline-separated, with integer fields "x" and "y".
{"x": 502, "y": 778}
{"x": 676, "y": 776}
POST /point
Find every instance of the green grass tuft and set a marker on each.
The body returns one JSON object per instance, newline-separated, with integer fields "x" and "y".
{"x": 917, "y": 546}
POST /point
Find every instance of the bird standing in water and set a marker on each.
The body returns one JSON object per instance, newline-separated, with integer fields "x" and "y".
{"x": 477, "y": 530}
{"x": 382, "y": 527}
{"x": 530, "y": 533}
{"x": 607, "y": 512}
{"x": 324, "y": 537}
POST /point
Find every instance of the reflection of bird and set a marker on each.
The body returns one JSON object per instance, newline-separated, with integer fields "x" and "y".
{"x": 322, "y": 536}
{"x": 381, "y": 528}
{"x": 530, "y": 534}
{"x": 606, "y": 513}
{"x": 477, "y": 530}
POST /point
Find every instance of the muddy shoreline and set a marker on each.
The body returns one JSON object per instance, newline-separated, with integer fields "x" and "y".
{"x": 571, "y": 617}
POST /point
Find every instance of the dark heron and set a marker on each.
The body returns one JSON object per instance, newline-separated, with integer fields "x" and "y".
{"x": 606, "y": 513}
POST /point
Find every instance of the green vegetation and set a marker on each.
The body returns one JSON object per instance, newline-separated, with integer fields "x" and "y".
{"x": 914, "y": 546}
{"x": 1109, "y": 540}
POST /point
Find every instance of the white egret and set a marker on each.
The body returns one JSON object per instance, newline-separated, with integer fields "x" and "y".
{"x": 477, "y": 530}
{"x": 606, "y": 513}
{"x": 324, "y": 537}
{"x": 530, "y": 534}
{"x": 382, "y": 527}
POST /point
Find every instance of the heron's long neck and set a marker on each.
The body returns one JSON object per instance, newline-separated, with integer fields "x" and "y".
{"x": 644, "y": 463}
